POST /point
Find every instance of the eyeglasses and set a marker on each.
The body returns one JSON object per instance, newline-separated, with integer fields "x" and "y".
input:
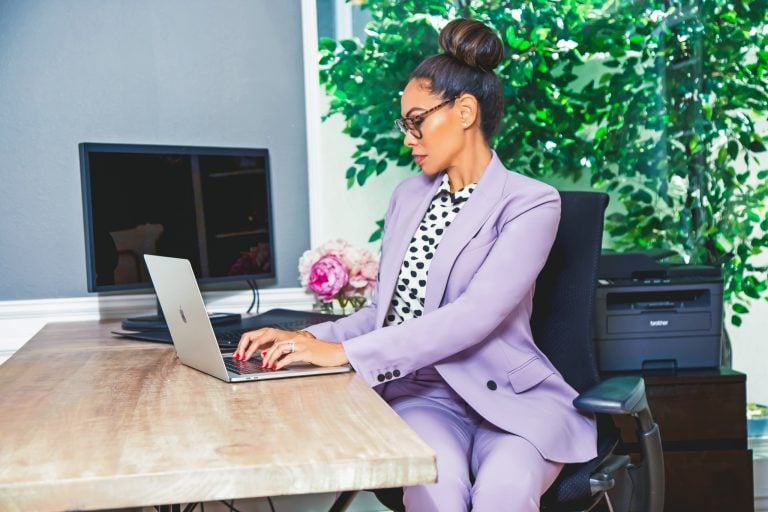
{"x": 413, "y": 123}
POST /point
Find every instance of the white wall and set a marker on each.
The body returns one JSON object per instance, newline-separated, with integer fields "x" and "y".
{"x": 750, "y": 351}
{"x": 350, "y": 214}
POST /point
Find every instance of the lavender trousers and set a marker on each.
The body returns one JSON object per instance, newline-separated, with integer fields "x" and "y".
{"x": 479, "y": 466}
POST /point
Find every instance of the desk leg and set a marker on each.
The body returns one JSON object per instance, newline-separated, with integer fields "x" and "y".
{"x": 343, "y": 502}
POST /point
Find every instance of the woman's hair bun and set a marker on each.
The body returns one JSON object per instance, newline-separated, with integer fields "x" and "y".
{"x": 473, "y": 43}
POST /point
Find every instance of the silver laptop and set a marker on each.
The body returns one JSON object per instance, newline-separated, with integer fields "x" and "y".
{"x": 192, "y": 332}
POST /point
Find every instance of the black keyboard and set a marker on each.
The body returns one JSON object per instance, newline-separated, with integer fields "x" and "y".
{"x": 229, "y": 338}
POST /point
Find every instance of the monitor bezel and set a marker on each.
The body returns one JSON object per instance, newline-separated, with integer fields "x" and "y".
{"x": 85, "y": 150}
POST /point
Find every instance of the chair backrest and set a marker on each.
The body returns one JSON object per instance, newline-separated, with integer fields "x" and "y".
{"x": 565, "y": 289}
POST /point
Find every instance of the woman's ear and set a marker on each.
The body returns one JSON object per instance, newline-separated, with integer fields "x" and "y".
{"x": 468, "y": 111}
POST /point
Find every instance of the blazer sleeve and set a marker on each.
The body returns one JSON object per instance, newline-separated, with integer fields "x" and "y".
{"x": 499, "y": 285}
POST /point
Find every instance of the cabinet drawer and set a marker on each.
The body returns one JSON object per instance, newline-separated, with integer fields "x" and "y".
{"x": 709, "y": 481}
{"x": 695, "y": 413}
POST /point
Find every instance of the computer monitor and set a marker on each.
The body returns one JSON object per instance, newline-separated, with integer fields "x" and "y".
{"x": 210, "y": 205}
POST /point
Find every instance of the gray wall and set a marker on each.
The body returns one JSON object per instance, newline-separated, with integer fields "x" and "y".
{"x": 199, "y": 72}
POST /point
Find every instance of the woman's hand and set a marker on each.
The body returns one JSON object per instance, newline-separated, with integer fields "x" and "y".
{"x": 286, "y": 347}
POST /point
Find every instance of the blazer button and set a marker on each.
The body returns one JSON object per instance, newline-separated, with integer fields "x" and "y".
{"x": 491, "y": 385}
{"x": 380, "y": 377}
{"x": 396, "y": 373}
{"x": 388, "y": 375}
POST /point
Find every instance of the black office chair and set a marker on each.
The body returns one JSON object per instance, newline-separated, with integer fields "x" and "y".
{"x": 562, "y": 322}
{"x": 562, "y": 328}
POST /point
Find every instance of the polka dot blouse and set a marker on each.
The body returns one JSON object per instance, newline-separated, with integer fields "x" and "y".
{"x": 410, "y": 290}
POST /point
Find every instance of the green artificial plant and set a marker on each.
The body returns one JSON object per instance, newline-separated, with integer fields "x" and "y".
{"x": 658, "y": 103}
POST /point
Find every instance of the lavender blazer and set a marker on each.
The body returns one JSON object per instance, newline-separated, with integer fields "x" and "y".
{"x": 475, "y": 329}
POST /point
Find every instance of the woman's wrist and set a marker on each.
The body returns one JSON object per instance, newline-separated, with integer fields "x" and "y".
{"x": 305, "y": 333}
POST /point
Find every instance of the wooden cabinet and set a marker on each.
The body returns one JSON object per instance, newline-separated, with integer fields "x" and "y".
{"x": 702, "y": 417}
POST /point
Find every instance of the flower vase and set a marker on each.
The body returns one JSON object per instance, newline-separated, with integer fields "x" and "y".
{"x": 340, "y": 305}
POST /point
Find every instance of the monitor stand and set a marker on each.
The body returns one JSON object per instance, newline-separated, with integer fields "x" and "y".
{"x": 157, "y": 322}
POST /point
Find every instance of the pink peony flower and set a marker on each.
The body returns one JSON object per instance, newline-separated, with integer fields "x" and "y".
{"x": 360, "y": 266}
{"x": 327, "y": 277}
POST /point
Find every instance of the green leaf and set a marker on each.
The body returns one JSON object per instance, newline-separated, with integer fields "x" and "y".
{"x": 740, "y": 308}
{"x": 348, "y": 44}
{"x": 600, "y": 133}
{"x": 327, "y": 44}
{"x": 376, "y": 235}
{"x": 641, "y": 196}
{"x": 733, "y": 149}
{"x": 510, "y": 35}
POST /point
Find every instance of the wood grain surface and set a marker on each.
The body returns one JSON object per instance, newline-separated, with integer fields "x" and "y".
{"x": 89, "y": 421}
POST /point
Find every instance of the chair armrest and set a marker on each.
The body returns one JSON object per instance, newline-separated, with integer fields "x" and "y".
{"x": 626, "y": 396}
{"x": 618, "y": 395}
{"x": 603, "y": 477}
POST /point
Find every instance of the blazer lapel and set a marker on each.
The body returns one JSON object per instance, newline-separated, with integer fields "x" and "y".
{"x": 469, "y": 220}
{"x": 405, "y": 226}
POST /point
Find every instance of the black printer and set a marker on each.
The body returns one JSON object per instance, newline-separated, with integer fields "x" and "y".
{"x": 650, "y": 315}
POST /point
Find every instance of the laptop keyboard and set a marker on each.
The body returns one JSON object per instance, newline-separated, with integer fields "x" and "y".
{"x": 246, "y": 367}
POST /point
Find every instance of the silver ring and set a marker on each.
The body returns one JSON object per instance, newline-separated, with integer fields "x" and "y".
{"x": 293, "y": 347}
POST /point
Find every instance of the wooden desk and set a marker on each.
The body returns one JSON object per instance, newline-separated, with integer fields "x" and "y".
{"x": 703, "y": 422}
{"x": 88, "y": 421}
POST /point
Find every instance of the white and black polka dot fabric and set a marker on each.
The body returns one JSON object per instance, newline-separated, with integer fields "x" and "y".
{"x": 410, "y": 290}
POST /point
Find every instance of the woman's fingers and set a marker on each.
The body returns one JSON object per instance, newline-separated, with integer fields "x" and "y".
{"x": 252, "y": 341}
{"x": 278, "y": 351}
{"x": 246, "y": 341}
{"x": 286, "y": 360}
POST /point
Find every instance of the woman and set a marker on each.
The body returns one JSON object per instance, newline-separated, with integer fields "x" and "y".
{"x": 447, "y": 338}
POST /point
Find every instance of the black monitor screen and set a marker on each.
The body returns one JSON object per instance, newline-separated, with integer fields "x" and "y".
{"x": 208, "y": 205}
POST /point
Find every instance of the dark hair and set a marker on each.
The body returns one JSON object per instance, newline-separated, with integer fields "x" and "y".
{"x": 471, "y": 53}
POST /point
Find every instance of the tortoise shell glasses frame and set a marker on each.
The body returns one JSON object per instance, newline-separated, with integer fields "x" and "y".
{"x": 413, "y": 123}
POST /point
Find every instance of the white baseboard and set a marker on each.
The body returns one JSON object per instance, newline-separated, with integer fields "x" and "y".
{"x": 21, "y": 319}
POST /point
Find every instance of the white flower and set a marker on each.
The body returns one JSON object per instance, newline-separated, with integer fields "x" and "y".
{"x": 568, "y": 45}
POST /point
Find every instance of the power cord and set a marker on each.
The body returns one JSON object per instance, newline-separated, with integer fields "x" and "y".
{"x": 231, "y": 505}
{"x": 256, "y": 296}
{"x": 253, "y": 294}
